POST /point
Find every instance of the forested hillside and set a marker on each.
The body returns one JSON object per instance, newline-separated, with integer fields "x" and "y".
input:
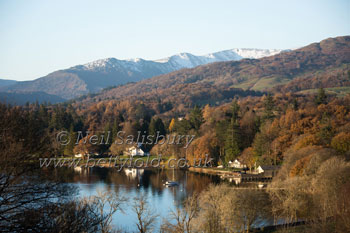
{"x": 319, "y": 65}
{"x": 255, "y": 129}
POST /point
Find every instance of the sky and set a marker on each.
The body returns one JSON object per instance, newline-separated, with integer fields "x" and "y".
{"x": 38, "y": 37}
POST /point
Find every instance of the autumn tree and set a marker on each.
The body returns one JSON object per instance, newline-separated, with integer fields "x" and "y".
{"x": 85, "y": 147}
{"x": 205, "y": 146}
{"x": 341, "y": 142}
{"x": 172, "y": 125}
{"x": 249, "y": 158}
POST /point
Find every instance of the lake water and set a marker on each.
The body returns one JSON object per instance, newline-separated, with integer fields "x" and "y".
{"x": 133, "y": 183}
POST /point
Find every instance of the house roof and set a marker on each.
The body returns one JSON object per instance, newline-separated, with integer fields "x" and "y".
{"x": 141, "y": 147}
{"x": 138, "y": 146}
{"x": 235, "y": 161}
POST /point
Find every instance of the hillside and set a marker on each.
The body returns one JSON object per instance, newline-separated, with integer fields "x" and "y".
{"x": 325, "y": 64}
{"x": 6, "y": 82}
{"x": 17, "y": 98}
{"x": 96, "y": 75}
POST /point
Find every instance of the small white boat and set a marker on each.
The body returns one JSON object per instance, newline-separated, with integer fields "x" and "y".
{"x": 171, "y": 183}
{"x": 260, "y": 186}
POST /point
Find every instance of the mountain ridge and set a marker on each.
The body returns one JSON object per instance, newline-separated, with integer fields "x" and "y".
{"x": 326, "y": 64}
{"x": 96, "y": 75}
{"x": 6, "y": 82}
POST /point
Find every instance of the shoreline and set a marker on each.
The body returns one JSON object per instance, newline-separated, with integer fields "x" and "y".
{"x": 154, "y": 163}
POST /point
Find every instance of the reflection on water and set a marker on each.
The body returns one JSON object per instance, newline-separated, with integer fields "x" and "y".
{"x": 136, "y": 182}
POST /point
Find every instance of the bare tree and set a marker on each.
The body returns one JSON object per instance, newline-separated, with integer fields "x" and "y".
{"x": 23, "y": 185}
{"x": 146, "y": 216}
{"x": 248, "y": 208}
{"x": 107, "y": 204}
{"x": 183, "y": 217}
{"x": 225, "y": 209}
{"x": 211, "y": 212}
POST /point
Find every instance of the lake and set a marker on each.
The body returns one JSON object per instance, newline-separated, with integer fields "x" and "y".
{"x": 133, "y": 183}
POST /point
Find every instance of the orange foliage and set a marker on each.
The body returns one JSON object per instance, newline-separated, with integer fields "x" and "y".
{"x": 341, "y": 142}
{"x": 299, "y": 166}
{"x": 309, "y": 140}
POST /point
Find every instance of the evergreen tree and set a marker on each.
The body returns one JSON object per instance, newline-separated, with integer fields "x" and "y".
{"x": 142, "y": 112}
{"x": 235, "y": 111}
{"x": 155, "y": 126}
{"x": 136, "y": 127}
{"x": 182, "y": 127}
{"x": 115, "y": 129}
{"x": 232, "y": 142}
{"x": 321, "y": 97}
{"x": 152, "y": 127}
{"x": 269, "y": 106}
{"x": 68, "y": 149}
{"x": 196, "y": 118}
{"x": 160, "y": 126}
{"x": 295, "y": 104}
{"x": 221, "y": 133}
{"x": 104, "y": 145}
{"x": 43, "y": 114}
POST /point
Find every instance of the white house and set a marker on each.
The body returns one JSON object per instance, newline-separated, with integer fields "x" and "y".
{"x": 236, "y": 164}
{"x": 136, "y": 151}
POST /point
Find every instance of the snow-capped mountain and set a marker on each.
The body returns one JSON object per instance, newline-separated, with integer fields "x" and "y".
{"x": 181, "y": 60}
{"x": 96, "y": 75}
{"x": 187, "y": 60}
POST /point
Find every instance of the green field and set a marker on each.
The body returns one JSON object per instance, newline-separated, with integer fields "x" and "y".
{"x": 339, "y": 91}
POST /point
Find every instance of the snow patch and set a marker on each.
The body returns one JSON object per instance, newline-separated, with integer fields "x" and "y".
{"x": 179, "y": 61}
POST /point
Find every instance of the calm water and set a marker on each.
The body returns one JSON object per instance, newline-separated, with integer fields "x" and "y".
{"x": 138, "y": 182}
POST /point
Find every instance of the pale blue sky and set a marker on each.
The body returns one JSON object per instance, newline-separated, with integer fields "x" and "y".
{"x": 38, "y": 37}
